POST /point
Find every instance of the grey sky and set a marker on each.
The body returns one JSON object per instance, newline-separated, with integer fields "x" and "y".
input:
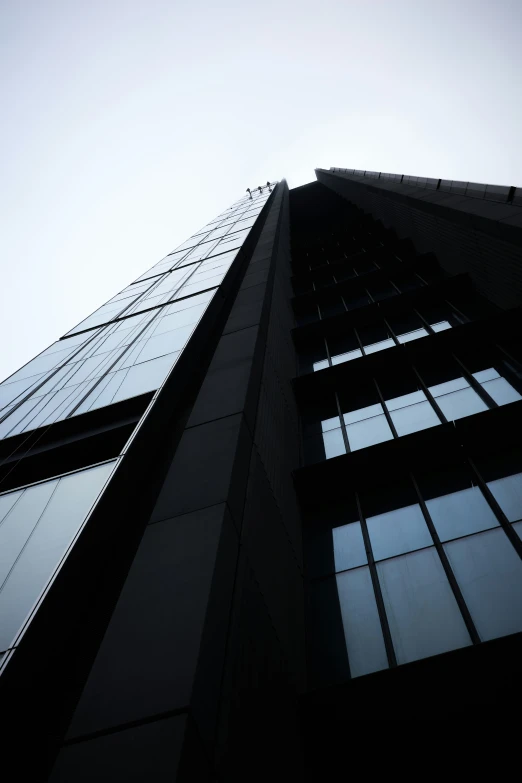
{"x": 128, "y": 124}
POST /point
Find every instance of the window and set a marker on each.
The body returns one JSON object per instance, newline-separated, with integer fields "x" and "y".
{"x": 508, "y": 494}
{"x": 37, "y": 525}
{"x": 411, "y": 412}
{"x": 497, "y": 388}
{"x": 489, "y": 573}
{"x": 422, "y": 612}
{"x": 457, "y": 399}
{"x": 360, "y": 618}
{"x": 366, "y": 426}
{"x": 348, "y": 546}
{"x": 333, "y": 437}
{"x": 399, "y": 531}
{"x": 461, "y": 513}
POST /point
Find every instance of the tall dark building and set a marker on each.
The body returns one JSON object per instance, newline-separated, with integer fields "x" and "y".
{"x": 271, "y": 490}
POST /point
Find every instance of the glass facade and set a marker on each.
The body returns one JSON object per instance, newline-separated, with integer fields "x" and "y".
{"x": 130, "y": 344}
{"x": 389, "y": 348}
{"x": 124, "y": 349}
{"x": 38, "y": 523}
{"x": 431, "y": 562}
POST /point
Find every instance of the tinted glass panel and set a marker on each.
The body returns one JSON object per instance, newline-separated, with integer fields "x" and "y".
{"x": 380, "y": 346}
{"x": 362, "y": 627}
{"x": 501, "y": 391}
{"x": 346, "y": 357}
{"x": 461, "y": 513}
{"x": 414, "y": 418}
{"x": 489, "y": 573}
{"x": 348, "y": 543}
{"x": 398, "y": 531}
{"x": 422, "y": 611}
{"x": 333, "y": 443}
{"x": 368, "y": 432}
{"x": 461, "y": 403}
{"x": 508, "y": 494}
{"x": 405, "y": 338}
{"x": 53, "y": 513}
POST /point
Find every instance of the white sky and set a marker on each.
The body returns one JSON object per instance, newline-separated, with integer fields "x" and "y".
{"x": 127, "y": 124}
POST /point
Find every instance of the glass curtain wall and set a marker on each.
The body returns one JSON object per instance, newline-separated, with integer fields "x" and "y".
{"x": 125, "y": 348}
{"x": 129, "y": 345}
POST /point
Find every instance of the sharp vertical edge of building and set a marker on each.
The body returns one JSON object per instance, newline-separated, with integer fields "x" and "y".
{"x": 270, "y": 491}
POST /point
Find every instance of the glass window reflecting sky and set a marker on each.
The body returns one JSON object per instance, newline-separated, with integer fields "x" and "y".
{"x": 129, "y": 345}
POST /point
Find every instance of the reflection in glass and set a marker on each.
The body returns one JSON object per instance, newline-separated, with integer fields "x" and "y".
{"x": 422, "y": 612}
{"x": 346, "y": 357}
{"x": 508, "y": 494}
{"x": 34, "y": 536}
{"x": 368, "y": 432}
{"x": 489, "y": 573}
{"x": 461, "y": 513}
{"x": 333, "y": 443}
{"x": 457, "y": 399}
{"x": 380, "y": 346}
{"x": 348, "y": 545}
{"x": 362, "y": 627}
{"x": 399, "y": 531}
{"x": 321, "y": 365}
{"x": 414, "y": 335}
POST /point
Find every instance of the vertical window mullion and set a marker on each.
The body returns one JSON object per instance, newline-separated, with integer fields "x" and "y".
{"x": 327, "y": 351}
{"x": 475, "y": 385}
{"x": 394, "y": 336}
{"x": 492, "y": 502}
{"x": 430, "y": 397}
{"x": 470, "y": 625}
{"x": 427, "y": 325}
{"x": 359, "y": 341}
{"x": 388, "y": 643}
{"x": 386, "y": 411}
{"x": 462, "y": 315}
{"x": 343, "y": 425}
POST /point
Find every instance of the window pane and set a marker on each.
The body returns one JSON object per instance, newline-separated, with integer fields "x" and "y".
{"x": 501, "y": 391}
{"x": 362, "y": 413}
{"x": 461, "y": 403}
{"x": 367, "y": 432}
{"x": 145, "y": 377}
{"x": 346, "y": 357}
{"x": 362, "y": 627}
{"x": 53, "y": 513}
{"x": 333, "y": 443}
{"x": 320, "y": 365}
{"x": 330, "y": 424}
{"x": 517, "y": 527}
{"x": 448, "y": 386}
{"x": 422, "y": 611}
{"x": 489, "y": 573}
{"x": 414, "y": 418}
{"x": 441, "y": 326}
{"x": 486, "y": 375}
{"x": 380, "y": 346}
{"x": 405, "y": 338}
{"x": 19, "y": 522}
{"x": 348, "y": 543}
{"x": 461, "y": 513}
{"x": 405, "y": 399}
{"x": 398, "y": 531}
{"x": 508, "y": 494}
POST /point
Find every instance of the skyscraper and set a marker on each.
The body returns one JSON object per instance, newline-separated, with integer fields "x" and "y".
{"x": 271, "y": 487}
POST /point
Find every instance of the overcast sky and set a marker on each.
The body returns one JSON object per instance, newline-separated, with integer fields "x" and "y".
{"x": 127, "y": 124}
